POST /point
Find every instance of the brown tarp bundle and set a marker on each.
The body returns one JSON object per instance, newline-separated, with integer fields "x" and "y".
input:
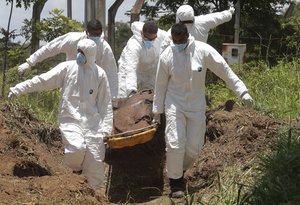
{"x": 134, "y": 112}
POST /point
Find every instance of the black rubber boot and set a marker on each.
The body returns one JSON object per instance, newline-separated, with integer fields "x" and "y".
{"x": 177, "y": 187}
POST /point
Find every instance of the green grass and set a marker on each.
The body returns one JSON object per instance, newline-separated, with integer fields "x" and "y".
{"x": 232, "y": 186}
{"x": 43, "y": 104}
{"x": 276, "y": 90}
{"x": 279, "y": 178}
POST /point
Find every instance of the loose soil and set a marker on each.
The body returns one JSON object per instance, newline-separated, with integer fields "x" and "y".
{"x": 32, "y": 169}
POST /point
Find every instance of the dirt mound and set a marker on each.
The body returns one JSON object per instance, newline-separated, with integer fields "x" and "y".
{"x": 32, "y": 171}
{"x": 234, "y": 135}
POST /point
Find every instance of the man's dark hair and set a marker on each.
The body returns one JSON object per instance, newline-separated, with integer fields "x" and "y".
{"x": 150, "y": 27}
{"x": 179, "y": 29}
{"x": 94, "y": 24}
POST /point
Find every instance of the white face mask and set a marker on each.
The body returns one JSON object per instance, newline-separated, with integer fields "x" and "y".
{"x": 81, "y": 59}
{"x": 181, "y": 47}
{"x": 148, "y": 44}
{"x": 96, "y": 39}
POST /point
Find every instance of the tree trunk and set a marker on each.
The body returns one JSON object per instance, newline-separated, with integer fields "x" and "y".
{"x": 112, "y": 11}
{"x": 7, "y": 37}
{"x": 135, "y": 11}
{"x": 36, "y": 17}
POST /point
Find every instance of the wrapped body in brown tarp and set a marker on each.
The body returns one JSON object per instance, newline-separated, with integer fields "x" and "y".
{"x": 134, "y": 113}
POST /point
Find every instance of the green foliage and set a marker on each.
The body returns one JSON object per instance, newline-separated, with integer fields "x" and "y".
{"x": 275, "y": 90}
{"x": 49, "y": 28}
{"x": 231, "y": 187}
{"x": 57, "y": 25}
{"x": 52, "y": 27}
{"x": 15, "y": 52}
{"x": 22, "y": 3}
{"x": 218, "y": 93}
{"x": 14, "y": 55}
{"x": 279, "y": 181}
{"x": 260, "y": 24}
{"x": 44, "y": 105}
{"x": 291, "y": 29}
{"x": 122, "y": 34}
{"x": 150, "y": 11}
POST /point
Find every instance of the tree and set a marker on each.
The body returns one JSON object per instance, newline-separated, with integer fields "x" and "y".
{"x": 135, "y": 13}
{"x": 136, "y": 10}
{"x": 36, "y": 17}
{"x": 112, "y": 11}
{"x": 37, "y": 8}
{"x": 6, "y": 37}
{"x": 291, "y": 29}
{"x": 260, "y": 22}
{"x": 7, "y": 34}
{"x": 49, "y": 28}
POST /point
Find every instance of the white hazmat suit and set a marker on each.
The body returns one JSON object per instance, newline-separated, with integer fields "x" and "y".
{"x": 180, "y": 93}
{"x": 138, "y": 64}
{"x": 85, "y": 113}
{"x": 67, "y": 44}
{"x": 201, "y": 24}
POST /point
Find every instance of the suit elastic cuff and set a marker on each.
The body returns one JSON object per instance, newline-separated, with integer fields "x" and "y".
{"x": 243, "y": 93}
{"x": 30, "y": 63}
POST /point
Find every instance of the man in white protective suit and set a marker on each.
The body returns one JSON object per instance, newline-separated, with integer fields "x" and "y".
{"x": 180, "y": 94}
{"x": 67, "y": 44}
{"x": 198, "y": 26}
{"x": 85, "y": 113}
{"x": 139, "y": 58}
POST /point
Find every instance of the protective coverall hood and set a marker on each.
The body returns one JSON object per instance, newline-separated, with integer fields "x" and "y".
{"x": 136, "y": 28}
{"x": 89, "y": 48}
{"x": 185, "y": 13}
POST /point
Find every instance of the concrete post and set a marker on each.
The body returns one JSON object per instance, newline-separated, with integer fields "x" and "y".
{"x": 95, "y": 9}
{"x": 69, "y": 9}
{"x": 237, "y": 22}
